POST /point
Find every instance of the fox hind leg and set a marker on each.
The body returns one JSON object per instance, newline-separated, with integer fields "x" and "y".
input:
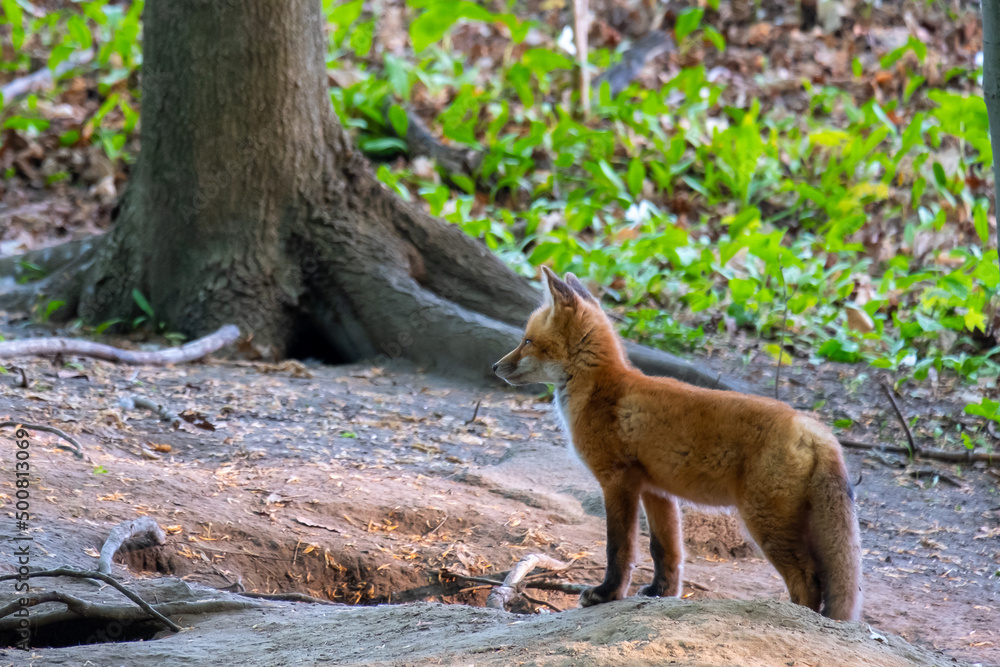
{"x": 666, "y": 544}
{"x": 785, "y": 543}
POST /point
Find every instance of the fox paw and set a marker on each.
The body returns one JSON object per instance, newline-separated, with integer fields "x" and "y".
{"x": 652, "y": 591}
{"x": 598, "y": 595}
{"x": 660, "y": 590}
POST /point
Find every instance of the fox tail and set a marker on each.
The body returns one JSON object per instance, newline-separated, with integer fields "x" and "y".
{"x": 836, "y": 540}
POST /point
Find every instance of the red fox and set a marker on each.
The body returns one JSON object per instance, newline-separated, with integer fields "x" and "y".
{"x": 660, "y": 440}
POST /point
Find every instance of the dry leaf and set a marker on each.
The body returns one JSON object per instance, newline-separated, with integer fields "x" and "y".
{"x": 860, "y": 321}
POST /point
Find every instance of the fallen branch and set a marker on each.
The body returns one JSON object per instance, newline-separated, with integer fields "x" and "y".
{"x": 124, "y": 532}
{"x": 466, "y": 161}
{"x": 77, "y": 608}
{"x": 619, "y": 76}
{"x": 43, "y": 78}
{"x": 76, "y": 449}
{"x": 290, "y": 597}
{"x": 162, "y": 411}
{"x": 100, "y": 576}
{"x": 902, "y": 420}
{"x": 935, "y": 454}
{"x": 508, "y": 592}
{"x": 192, "y": 351}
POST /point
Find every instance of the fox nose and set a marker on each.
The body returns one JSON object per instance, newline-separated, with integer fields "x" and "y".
{"x": 495, "y": 366}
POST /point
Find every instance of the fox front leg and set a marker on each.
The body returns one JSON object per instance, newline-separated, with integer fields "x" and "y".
{"x": 621, "y": 504}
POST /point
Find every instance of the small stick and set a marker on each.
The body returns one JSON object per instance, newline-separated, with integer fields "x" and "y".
{"x": 77, "y": 448}
{"x": 540, "y": 602}
{"x": 435, "y": 528}
{"x": 781, "y": 346}
{"x": 90, "y": 574}
{"x": 475, "y": 412}
{"x": 124, "y": 532}
{"x": 192, "y": 351}
{"x": 902, "y": 420}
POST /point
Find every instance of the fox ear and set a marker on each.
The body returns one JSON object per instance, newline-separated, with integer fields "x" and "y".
{"x": 579, "y": 288}
{"x": 559, "y": 293}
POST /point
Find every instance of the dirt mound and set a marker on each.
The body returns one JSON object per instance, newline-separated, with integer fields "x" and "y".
{"x": 630, "y": 632}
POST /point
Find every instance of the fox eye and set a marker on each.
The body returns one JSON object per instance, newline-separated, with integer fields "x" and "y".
{"x": 527, "y": 341}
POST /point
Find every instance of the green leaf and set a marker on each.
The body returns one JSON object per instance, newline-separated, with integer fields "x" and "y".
{"x": 440, "y": 16}
{"x": 140, "y": 301}
{"x": 52, "y": 307}
{"x": 688, "y": 22}
{"x": 636, "y": 174}
{"x": 400, "y": 122}
{"x": 383, "y": 145}
{"x": 715, "y": 37}
{"x": 541, "y": 61}
{"x": 346, "y": 14}
{"x": 104, "y": 326}
{"x": 985, "y": 408}
{"x": 843, "y": 423}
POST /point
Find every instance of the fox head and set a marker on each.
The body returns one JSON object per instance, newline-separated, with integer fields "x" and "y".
{"x": 569, "y": 333}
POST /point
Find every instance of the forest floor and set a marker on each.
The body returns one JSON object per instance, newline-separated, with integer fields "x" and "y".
{"x": 360, "y": 484}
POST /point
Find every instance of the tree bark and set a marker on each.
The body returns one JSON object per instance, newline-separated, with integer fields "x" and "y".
{"x": 249, "y": 205}
{"x": 991, "y": 92}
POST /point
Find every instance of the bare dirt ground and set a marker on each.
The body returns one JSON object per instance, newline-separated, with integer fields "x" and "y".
{"x": 359, "y": 484}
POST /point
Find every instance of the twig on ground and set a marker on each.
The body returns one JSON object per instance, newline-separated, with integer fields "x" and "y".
{"x": 902, "y": 420}
{"x": 475, "y": 412}
{"x": 920, "y": 473}
{"x": 507, "y": 592}
{"x": 936, "y": 454}
{"x": 435, "y": 528}
{"x": 100, "y": 576}
{"x": 289, "y": 597}
{"x": 76, "y": 449}
{"x": 540, "y": 602}
{"x": 23, "y": 384}
{"x": 192, "y": 351}
{"x": 125, "y": 531}
{"x": 162, "y": 411}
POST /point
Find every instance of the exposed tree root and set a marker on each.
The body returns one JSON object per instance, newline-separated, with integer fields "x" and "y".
{"x": 281, "y": 228}
{"x": 77, "y": 608}
{"x": 76, "y": 449}
{"x": 127, "y": 530}
{"x": 100, "y": 576}
{"x": 192, "y": 351}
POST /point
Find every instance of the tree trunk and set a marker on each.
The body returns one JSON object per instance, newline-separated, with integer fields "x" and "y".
{"x": 991, "y": 93}
{"x": 249, "y": 205}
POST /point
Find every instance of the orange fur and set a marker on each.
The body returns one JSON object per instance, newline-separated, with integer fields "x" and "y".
{"x": 655, "y": 440}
